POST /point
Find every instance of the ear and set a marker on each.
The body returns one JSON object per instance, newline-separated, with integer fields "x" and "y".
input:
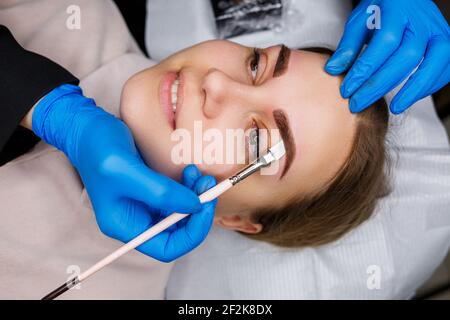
{"x": 238, "y": 223}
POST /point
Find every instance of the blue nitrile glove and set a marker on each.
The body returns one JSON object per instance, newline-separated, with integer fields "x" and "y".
{"x": 409, "y": 30}
{"x": 126, "y": 195}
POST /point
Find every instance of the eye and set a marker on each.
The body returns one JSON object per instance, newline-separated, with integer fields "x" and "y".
{"x": 254, "y": 140}
{"x": 257, "y": 140}
{"x": 254, "y": 63}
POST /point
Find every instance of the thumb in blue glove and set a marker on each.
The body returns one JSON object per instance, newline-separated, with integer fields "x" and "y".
{"x": 412, "y": 33}
{"x": 188, "y": 233}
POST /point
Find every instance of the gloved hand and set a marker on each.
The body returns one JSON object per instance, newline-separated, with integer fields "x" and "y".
{"x": 126, "y": 195}
{"x": 409, "y": 31}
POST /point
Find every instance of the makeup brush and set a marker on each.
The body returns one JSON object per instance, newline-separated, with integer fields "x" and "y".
{"x": 275, "y": 153}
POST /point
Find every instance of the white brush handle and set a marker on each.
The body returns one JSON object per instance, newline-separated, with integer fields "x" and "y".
{"x": 207, "y": 196}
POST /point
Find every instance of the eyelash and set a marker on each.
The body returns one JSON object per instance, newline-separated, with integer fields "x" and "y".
{"x": 255, "y": 128}
{"x": 254, "y": 63}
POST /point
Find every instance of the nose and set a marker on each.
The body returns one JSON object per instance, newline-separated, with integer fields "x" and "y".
{"x": 222, "y": 92}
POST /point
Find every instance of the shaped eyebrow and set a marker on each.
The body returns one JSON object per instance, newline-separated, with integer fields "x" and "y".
{"x": 288, "y": 139}
{"x": 282, "y": 63}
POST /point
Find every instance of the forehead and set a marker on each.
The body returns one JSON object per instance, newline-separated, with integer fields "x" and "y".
{"x": 320, "y": 120}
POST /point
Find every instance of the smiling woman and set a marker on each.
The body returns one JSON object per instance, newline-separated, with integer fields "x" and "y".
{"x": 334, "y": 169}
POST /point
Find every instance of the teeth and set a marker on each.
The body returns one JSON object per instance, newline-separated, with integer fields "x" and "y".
{"x": 174, "y": 92}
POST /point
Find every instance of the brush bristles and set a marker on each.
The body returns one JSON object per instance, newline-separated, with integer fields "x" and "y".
{"x": 278, "y": 150}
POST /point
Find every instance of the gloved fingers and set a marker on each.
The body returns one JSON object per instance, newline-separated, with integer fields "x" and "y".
{"x": 125, "y": 221}
{"x": 159, "y": 191}
{"x": 201, "y": 185}
{"x": 156, "y": 247}
{"x": 432, "y": 74}
{"x": 435, "y": 15}
{"x": 384, "y": 43}
{"x": 191, "y": 179}
{"x": 190, "y": 175}
{"x": 168, "y": 246}
{"x": 197, "y": 225}
{"x": 125, "y": 225}
{"x": 396, "y": 69}
{"x": 443, "y": 80}
{"x": 193, "y": 233}
{"x": 355, "y": 35}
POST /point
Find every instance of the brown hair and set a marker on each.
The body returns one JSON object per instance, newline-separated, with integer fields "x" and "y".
{"x": 348, "y": 200}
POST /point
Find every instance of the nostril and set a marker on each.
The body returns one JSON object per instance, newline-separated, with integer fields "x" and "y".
{"x": 204, "y": 100}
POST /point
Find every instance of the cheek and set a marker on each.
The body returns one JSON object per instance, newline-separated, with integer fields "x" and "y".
{"x": 222, "y": 157}
{"x": 237, "y": 200}
{"x": 129, "y": 109}
{"x": 218, "y": 146}
{"x": 225, "y": 56}
{"x": 255, "y": 192}
{"x": 219, "y": 171}
{"x": 134, "y": 107}
{"x": 139, "y": 104}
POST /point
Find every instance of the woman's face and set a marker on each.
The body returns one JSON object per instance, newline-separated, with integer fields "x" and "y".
{"x": 222, "y": 87}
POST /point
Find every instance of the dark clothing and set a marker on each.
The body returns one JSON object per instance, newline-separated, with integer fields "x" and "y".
{"x": 25, "y": 77}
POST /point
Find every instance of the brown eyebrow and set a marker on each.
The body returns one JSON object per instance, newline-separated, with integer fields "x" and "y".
{"x": 282, "y": 61}
{"x": 288, "y": 139}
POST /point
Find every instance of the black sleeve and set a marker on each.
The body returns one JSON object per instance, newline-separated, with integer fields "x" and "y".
{"x": 25, "y": 77}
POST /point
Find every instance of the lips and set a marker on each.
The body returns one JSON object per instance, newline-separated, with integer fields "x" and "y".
{"x": 165, "y": 94}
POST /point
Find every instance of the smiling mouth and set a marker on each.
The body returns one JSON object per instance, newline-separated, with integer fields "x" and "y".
{"x": 174, "y": 94}
{"x": 170, "y": 96}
